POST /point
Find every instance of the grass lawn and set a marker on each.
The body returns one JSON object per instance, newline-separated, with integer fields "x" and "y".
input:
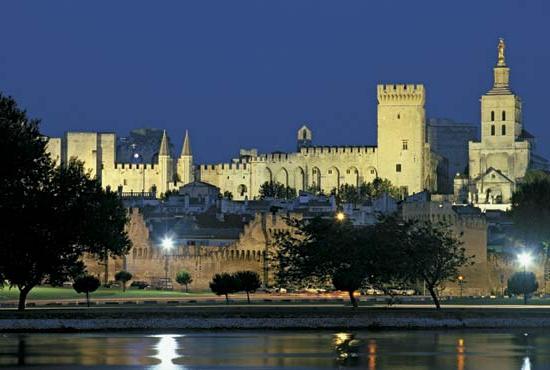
{"x": 69, "y": 293}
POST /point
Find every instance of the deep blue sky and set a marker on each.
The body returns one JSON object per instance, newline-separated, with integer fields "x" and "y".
{"x": 249, "y": 73}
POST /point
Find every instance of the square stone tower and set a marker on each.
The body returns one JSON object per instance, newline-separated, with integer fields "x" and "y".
{"x": 402, "y": 136}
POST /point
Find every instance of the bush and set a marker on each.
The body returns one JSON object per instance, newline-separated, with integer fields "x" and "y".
{"x": 86, "y": 284}
{"x": 523, "y": 283}
{"x": 139, "y": 284}
{"x": 123, "y": 277}
{"x": 184, "y": 278}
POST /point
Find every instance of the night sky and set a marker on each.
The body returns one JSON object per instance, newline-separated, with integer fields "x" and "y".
{"x": 249, "y": 73}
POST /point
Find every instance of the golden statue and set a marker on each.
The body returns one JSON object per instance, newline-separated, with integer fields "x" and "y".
{"x": 501, "y": 47}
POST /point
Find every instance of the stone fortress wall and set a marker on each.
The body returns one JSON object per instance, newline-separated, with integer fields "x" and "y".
{"x": 146, "y": 260}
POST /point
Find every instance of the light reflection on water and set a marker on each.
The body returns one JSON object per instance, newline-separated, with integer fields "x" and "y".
{"x": 166, "y": 348}
{"x": 419, "y": 350}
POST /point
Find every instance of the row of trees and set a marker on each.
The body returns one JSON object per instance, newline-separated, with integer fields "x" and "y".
{"x": 51, "y": 215}
{"x": 346, "y": 193}
{"x": 393, "y": 252}
{"x": 241, "y": 281}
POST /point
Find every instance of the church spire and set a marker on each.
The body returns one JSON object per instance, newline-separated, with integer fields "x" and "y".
{"x": 186, "y": 150}
{"x": 164, "y": 145}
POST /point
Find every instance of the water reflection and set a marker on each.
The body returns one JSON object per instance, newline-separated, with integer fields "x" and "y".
{"x": 167, "y": 352}
{"x": 418, "y": 350}
{"x": 21, "y": 351}
{"x": 347, "y": 348}
{"x": 526, "y": 364}
{"x": 372, "y": 354}
{"x": 460, "y": 349}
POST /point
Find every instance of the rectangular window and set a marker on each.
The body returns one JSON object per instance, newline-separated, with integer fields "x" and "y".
{"x": 405, "y": 144}
{"x": 398, "y": 167}
{"x": 124, "y": 182}
{"x": 504, "y": 130}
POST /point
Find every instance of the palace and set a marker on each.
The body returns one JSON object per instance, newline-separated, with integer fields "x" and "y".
{"x": 405, "y": 154}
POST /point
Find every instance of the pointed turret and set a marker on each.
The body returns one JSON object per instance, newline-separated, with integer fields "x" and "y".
{"x": 186, "y": 150}
{"x": 185, "y": 162}
{"x": 164, "y": 150}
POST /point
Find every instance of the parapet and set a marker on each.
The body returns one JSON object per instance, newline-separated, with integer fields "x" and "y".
{"x": 337, "y": 149}
{"x": 401, "y": 94}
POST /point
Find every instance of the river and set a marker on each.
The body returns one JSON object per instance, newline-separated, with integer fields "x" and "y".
{"x": 488, "y": 350}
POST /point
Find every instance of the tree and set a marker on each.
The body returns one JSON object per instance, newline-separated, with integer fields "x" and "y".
{"x": 103, "y": 228}
{"x": 531, "y": 213}
{"x": 431, "y": 253}
{"x": 377, "y": 187}
{"x": 523, "y": 282}
{"x": 274, "y": 189}
{"x": 224, "y": 284}
{"x": 52, "y": 215}
{"x": 86, "y": 284}
{"x": 249, "y": 281}
{"x": 184, "y": 278}
{"x": 348, "y": 280}
{"x": 317, "y": 251}
{"x": 123, "y": 277}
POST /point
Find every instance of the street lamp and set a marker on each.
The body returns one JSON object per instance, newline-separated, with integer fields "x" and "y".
{"x": 461, "y": 284}
{"x": 139, "y": 157}
{"x": 524, "y": 260}
{"x": 340, "y": 216}
{"x": 167, "y": 245}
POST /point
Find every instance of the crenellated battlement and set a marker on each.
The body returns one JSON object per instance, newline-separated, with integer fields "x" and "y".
{"x": 401, "y": 94}
{"x": 135, "y": 166}
{"x": 223, "y": 167}
{"x": 338, "y": 150}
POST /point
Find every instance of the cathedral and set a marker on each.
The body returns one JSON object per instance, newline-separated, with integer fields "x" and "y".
{"x": 506, "y": 150}
{"x": 403, "y": 155}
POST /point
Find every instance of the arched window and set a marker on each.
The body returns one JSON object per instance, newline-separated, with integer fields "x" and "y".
{"x": 503, "y": 129}
{"x": 492, "y": 115}
{"x": 492, "y": 130}
{"x": 504, "y": 115}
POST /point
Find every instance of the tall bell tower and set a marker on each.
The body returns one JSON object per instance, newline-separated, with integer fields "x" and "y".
{"x": 501, "y": 123}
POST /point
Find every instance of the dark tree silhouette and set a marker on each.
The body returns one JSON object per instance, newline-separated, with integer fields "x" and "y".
{"x": 531, "y": 213}
{"x": 52, "y": 215}
{"x": 524, "y": 283}
{"x": 224, "y": 284}
{"x": 431, "y": 253}
{"x": 249, "y": 282}
{"x": 86, "y": 284}
{"x": 123, "y": 277}
{"x": 318, "y": 251}
{"x": 348, "y": 280}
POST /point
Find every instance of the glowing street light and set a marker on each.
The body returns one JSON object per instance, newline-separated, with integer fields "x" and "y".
{"x": 167, "y": 245}
{"x": 461, "y": 284}
{"x": 340, "y": 216}
{"x": 524, "y": 260}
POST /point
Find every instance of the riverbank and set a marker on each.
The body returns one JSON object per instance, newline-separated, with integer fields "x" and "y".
{"x": 270, "y": 317}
